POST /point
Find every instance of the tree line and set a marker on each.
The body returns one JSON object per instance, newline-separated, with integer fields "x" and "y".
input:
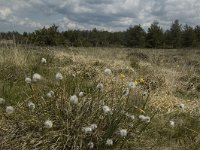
{"x": 177, "y": 36}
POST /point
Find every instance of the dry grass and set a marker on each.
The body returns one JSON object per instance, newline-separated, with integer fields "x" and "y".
{"x": 14, "y": 56}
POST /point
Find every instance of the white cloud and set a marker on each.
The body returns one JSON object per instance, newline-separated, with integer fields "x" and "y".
{"x": 5, "y": 13}
{"x": 67, "y": 24}
{"x": 28, "y": 22}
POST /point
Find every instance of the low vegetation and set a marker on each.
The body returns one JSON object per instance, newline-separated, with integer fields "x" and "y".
{"x": 99, "y": 98}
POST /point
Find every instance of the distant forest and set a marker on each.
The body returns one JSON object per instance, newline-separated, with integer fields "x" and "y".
{"x": 177, "y": 36}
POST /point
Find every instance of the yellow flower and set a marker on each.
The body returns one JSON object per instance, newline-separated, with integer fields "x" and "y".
{"x": 142, "y": 80}
{"x": 136, "y": 83}
{"x": 122, "y": 76}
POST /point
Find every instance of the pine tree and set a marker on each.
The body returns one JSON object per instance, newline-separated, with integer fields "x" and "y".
{"x": 188, "y": 38}
{"x": 197, "y": 36}
{"x": 155, "y": 36}
{"x": 175, "y": 34}
{"x": 135, "y": 36}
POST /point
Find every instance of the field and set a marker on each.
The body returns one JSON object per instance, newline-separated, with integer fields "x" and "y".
{"x": 99, "y": 98}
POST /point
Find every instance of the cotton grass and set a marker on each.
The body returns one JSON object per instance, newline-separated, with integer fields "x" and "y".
{"x": 108, "y": 71}
{"x": 59, "y": 76}
{"x": 28, "y": 80}
{"x": 74, "y": 99}
{"x": 99, "y": 86}
{"x": 48, "y": 124}
{"x": 123, "y": 132}
{"x": 36, "y": 77}
{"x": 109, "y": 142}
{"x": 31, "y": 106}
{"x": 9, "y": 110}
{"x": 106, "y": 110}
{"x": 43, "y": 60}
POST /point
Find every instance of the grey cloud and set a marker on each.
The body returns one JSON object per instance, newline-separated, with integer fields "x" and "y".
{"x": 103, "y": 14}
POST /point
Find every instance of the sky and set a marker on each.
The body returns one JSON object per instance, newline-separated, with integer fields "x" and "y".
{"x": 110, "y": 15}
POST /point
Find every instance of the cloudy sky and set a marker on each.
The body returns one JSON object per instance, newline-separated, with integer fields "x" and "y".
{"x": 112, "y": 15}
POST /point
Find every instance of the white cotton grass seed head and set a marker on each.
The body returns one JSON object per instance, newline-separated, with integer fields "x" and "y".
{"x": 132, "y": 85}
{"x": 106, "y": 109}
{"x": 50, "y": 94}
{"x": 109, "y": 142}
{"x": 59, "y": 76}
{"x": 28, "y": 80}
{"x": 123, "y": 132}
{"x": 31, "y": 106}
{"x": 147, "y": 119}
{"x": 48, "y": 124}
{"x": 171, "y": 123}
{"x": 2, "y": 101}
{"x": 81, "y": 94}
{"x": 87, "y": 130}
{"x": 74, "y": 99}
{"x": 43, "y": 60}
{"x": 142, "y": 117}
{"x": 100, "y": 86}
{"x": 9, "y": 110}
{"x": 107, "y": 71}
{"x": 93, "y": 126}
{"x": 91, "y": 145}
{"x": 36, "y": 77}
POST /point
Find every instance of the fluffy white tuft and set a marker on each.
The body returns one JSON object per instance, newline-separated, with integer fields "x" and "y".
{"x": 48, "y": 124}
{"x": 74, "y": 99}
{"x": 31, "y": 106}
{"x": 81, "y": 94}
{"x": 107, "y": 71}
{"x": 100, "y": 86}
{"x": 87, "y": 130}
{"x": 44, "y": 61}
{"x": 109, "y": 142}
{"x": 106, "y": 109}
{"x": 123, "y": 132}
{"x": 37, "y": 77}
{"x": 9, "y": 109}
{"x": 28, "y": 80}
{"x": 59, "y": 76}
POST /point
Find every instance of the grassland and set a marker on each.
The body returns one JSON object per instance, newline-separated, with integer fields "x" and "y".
{"x": 162, "y": 85}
